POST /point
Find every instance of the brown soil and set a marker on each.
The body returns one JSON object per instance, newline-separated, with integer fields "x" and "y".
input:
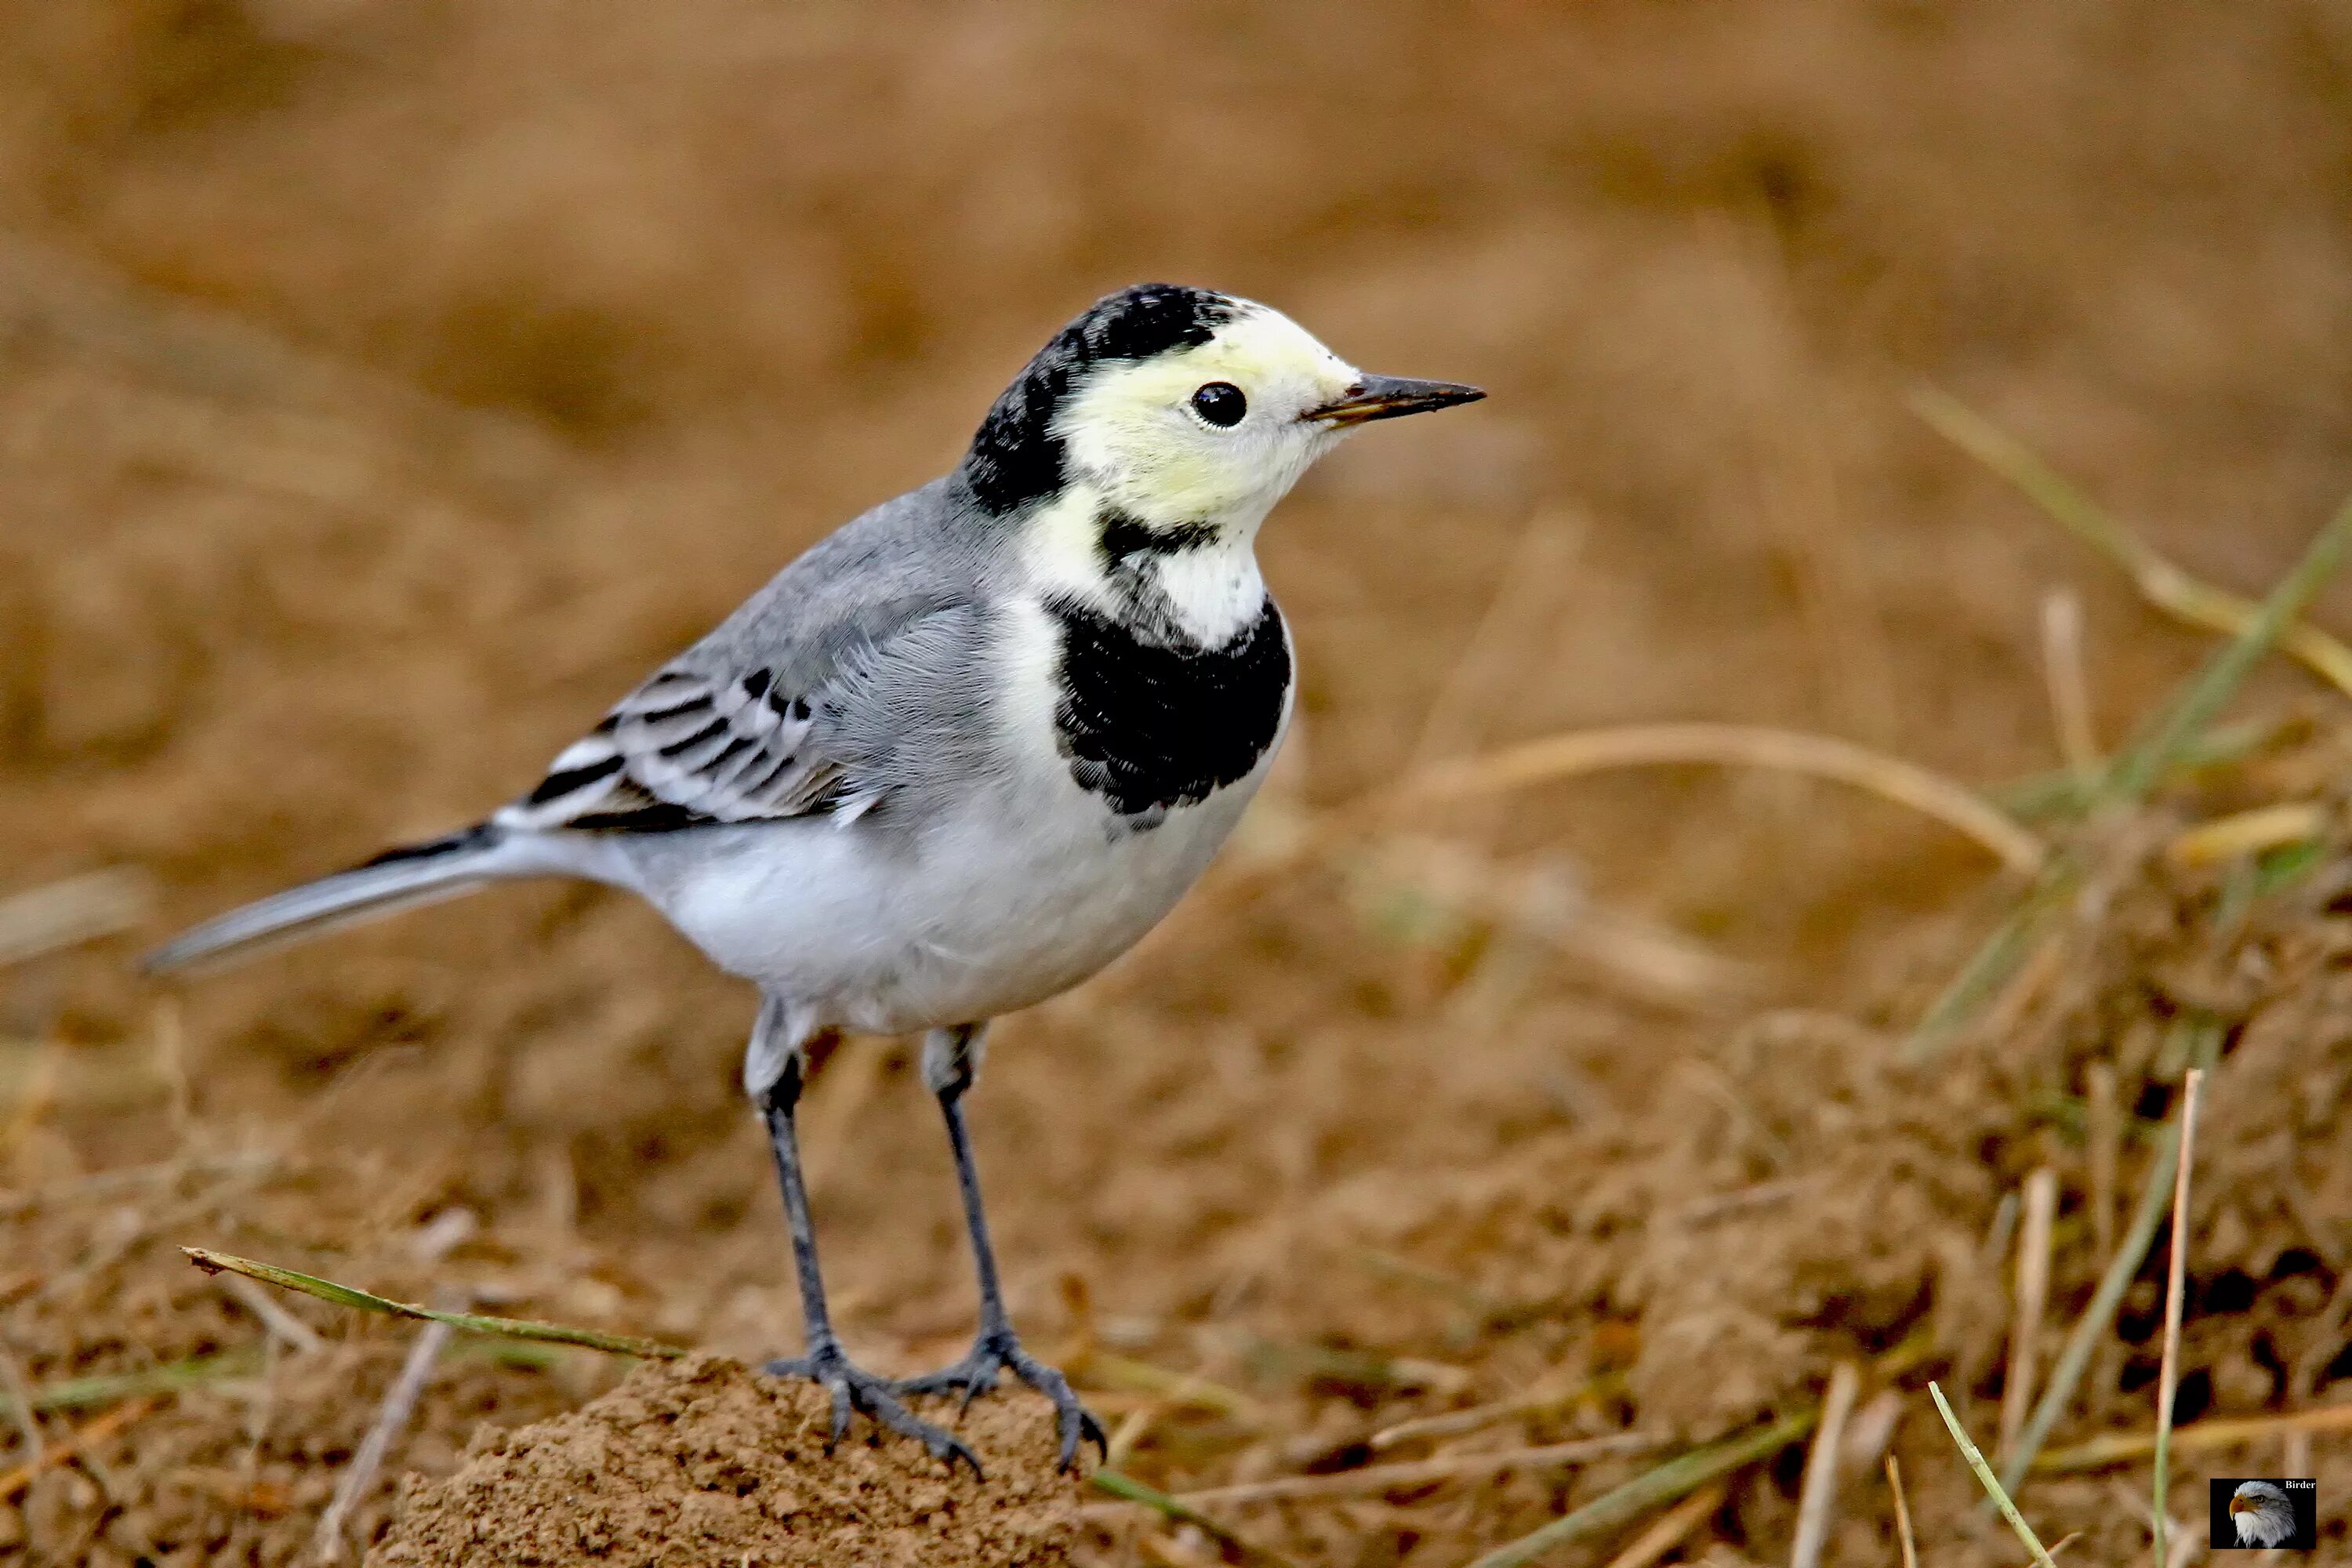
{"x": 385, "y": 387}
{"x": 702, "y": 1461}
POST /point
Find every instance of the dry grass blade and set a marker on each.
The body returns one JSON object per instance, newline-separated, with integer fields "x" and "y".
{"x": 98, "y": 1430}
{"x": 2122, "y": 1269}
{"x": 2175, "y": 1289}
{"x": 1671, "y": 1481}
{"x": 2248, "y": 833}
{"x": 1129, "y": 1490}
{"x": 77, "y": 910}
{"x": 2200, "y": 1438}
{"x": 1819, "y": 1493}
{"x": 1902, "y": 1514}
{"x": 2131, "y": 776}
{"x": 298, "y": 1336}
{"x": 2069, "y": 687}
{"x": 1103, "y": 1369}
{"x": 129, "y": 1178}
{"x": 366, "y": 1301}
{"x": 1454, "y": 1423}
{"x": 398, "y": 1403}
{"x": 2134, "y": 773}
{"x": 1671, "y": 1526}
{"x": 2032, "y": 1298}
{"x": 2161, "y": 583}
{"x": 1737, "y": 745}
{"x": 1992, "y": 1483}
{"x": 1422, "y": 1472}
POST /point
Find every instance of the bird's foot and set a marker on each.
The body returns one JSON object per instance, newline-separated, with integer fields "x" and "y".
{"x": 871, "y": 1394}
{"x": 998, "y": 1351}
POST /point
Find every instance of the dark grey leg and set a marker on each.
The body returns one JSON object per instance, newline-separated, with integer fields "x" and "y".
{"x": 852, "y": 1387}
{"x": 950, "y": 1064}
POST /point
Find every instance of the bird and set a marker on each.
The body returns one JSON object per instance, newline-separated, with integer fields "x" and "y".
{"x": 953, "y": 759}
{"x": 2263, "y": 1513}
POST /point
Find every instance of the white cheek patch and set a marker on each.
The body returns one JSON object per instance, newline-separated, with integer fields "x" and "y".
{"x": 1128, "y": 430}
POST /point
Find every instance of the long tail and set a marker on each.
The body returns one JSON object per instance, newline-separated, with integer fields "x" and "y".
{"x": 396, "y": 879}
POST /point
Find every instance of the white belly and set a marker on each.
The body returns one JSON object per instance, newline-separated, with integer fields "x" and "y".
{"x": 1025, "y": 892}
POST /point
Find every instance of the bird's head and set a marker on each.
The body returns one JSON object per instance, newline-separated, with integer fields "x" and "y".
{"x": 2262, "y": 1514}
{"x": 1181, "y": 407}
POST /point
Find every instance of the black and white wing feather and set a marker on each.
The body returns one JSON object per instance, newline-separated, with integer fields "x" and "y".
{"x": 687, "y": 747}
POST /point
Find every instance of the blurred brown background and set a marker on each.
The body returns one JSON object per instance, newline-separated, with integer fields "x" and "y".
{"x": 385, "y": 387}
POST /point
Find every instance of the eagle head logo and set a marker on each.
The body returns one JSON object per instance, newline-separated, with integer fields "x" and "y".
{"x": 2261, "y": 1513}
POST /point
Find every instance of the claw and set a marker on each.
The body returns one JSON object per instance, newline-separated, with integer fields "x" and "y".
{"x": 853, "y": 1387}
{"x": 994, "y": 1353}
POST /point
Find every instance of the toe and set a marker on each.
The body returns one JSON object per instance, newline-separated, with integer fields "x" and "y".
{"x": 952, "y": 1449}
{"x": 842, "y": 1402}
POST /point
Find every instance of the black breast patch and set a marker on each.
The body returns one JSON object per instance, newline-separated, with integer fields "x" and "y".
{"x": 1150, "y": 726}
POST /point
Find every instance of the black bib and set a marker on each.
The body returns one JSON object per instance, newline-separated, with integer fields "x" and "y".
{"x": 1151, "y": 726}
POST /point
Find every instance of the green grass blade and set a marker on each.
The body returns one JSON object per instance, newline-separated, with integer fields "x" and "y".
{"x": 112, "y": 1388}
{"x": 2134, "y": 773}
{"x": 1126, "y": 1488}
{"x": 367, "y": 1302}
{"x": 1669, "y": 1482}
{"x": 1992, "y": 1484}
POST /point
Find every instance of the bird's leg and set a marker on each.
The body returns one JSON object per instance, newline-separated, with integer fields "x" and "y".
{"x": 851, "y": 1386}
{"x": 951, "y": 1063}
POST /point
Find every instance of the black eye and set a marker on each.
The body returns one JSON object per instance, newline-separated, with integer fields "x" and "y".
{"x": 1220, "y": 403}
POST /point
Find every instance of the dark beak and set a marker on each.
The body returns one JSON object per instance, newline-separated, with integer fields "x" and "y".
{"x": 1391, "y": 397}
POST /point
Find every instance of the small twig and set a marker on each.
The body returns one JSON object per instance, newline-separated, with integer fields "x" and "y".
{"x": 1128, "y": 1489}
{"x": 366, "y": 1301}
{"x": 97, "y": 1430}
{"x": 390, "y": 1418}
{"x": 1671, "y": 1527}
{"x": 1745, "y": 745}
{"x": 1991, "y": 1482}
{"x": 2069, "y": 687}
{"x": 1819, "y": 1493}
{"x": 2175, "y": 1290}
{"x": 2161, "y": 583}
{"x": 1902, "y": 1514}
{"x": 1670, "y": 1482}
{"x": 2032, "y": 1299}
{"x": 1422, "y": 1472}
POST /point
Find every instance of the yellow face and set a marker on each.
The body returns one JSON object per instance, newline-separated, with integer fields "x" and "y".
{"x": 1213, "y": 434}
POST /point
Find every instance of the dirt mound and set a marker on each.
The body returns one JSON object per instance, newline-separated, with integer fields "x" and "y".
{"x": 702, "y": 1461}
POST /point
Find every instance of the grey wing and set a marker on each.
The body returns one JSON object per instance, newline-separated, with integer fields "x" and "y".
{"x": 813, "y": 697}
{"x": 704, "y": 741}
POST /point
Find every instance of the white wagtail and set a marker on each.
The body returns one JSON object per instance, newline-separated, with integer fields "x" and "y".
{"x": 961, "y": 754}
